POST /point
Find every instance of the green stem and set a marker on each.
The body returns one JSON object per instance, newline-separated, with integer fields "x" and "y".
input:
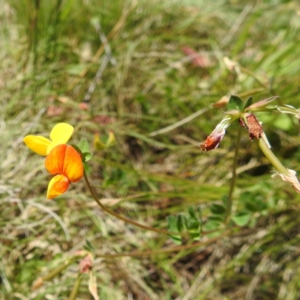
{"x": 76, "y": 287}
{"x": 233, "y": 178}
{"x": 121, "y": 217}
{"x": 272, "y": 158}
{"x": 165, "y": 250}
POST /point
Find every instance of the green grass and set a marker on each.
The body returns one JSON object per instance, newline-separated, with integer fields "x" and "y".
{"x": 50, "y": 53}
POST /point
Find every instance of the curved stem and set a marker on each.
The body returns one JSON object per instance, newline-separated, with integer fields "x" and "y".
{"x": 233, "y": 179}
{"x": 272, "y": 158}
{"x": 164, "y": 250}
{"x": 107, "y": 210}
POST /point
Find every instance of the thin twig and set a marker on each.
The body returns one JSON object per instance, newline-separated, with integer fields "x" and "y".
{"x": 121, "y": 217}
{"x": 134, "y": 223}
{"x": 234, "y": 175}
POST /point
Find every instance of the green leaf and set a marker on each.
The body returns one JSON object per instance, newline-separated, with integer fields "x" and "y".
{"x": 248, "y": 102}
{"x": 235, "y": 103}
{"x": 217, "y": 209}
{"x": 193, "y": 223}
{"x": 84, "y": 146}
{"x": 241, "y": 218}
{"x": 180, "y": 223}
{"x": 195, "y": 214}
{"x": 211, "y": 225}
{"x": 192, "y": 213}
{"x": 194, "y": 228}
{"x": 87, "y": 156}
{"x": 217, "y": 218}
{"x": 88, "y": 246}
{"x": 253, "y": 202}
{"x": 174, "y": 225}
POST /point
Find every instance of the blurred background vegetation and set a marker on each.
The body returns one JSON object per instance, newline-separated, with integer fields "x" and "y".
{"x": 166, "y": 65}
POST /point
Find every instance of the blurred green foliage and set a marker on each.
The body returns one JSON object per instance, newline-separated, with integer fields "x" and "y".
{"x": 155, "y": 173}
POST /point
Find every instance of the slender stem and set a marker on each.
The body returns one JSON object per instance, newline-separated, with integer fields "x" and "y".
{"x": 164, "y": 250}
{"x": 272, "y": 158}
{"x": 121, "y": 217}
{"x": 76, "y": 287}
{"x": 233, "y": 178}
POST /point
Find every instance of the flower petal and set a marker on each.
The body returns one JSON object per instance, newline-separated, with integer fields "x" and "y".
{"x": 54, "y": 162}
{"x": 52, "y": 146}
{"x": 73, "y": 167}
{"x": 38, "y": 144}
{"x": 214, "y": 139}
{"x": 64, "y": 159}
{"x": 60, "y": 134}
{"x": 57, "y": 186}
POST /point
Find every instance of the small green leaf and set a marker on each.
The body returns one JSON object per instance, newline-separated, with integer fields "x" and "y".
{"x": 193, "y": 223}
{"x": 88, "y": 246}
{"x": 193, "y": 228}
{"x": 248, "y": 102}
{"x": 251, "y": 206}
{"x": 84, "y": 146}
{"x": 235, "y": 103}
{"x": 211, "y": 225}
{"x": 195, "y": 214}
{"x": 192, "y": 212}
{"x": 241, "y": 218}
{"x": 180, "y": 223}
{"x": 252, "y": 201}
{"x": 87, "y": 156}
{"x": 262, "y": 205}
{"x": 173, "y": 226}
{"x": 217, "y": 209}
{"x": 218, "y": 218}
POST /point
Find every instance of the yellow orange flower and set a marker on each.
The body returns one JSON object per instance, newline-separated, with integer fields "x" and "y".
{"x": 60, "y": 134}
{"x": 65, "y": 163}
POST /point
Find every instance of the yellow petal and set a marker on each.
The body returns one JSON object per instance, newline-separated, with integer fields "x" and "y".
{"x": 57, "y": 186}
{"x": 111, "y": 139}
{"x": 61, "y": 133}
{"x": 98, "y": 145}
{"x": 38, "y": 144}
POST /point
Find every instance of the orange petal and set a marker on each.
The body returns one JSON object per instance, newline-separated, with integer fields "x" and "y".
{"x": 57, "y": 186}
{"x": 54, "y": 161}
{"x": 73, "y": 167}
{"x": 64, "y": 159}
